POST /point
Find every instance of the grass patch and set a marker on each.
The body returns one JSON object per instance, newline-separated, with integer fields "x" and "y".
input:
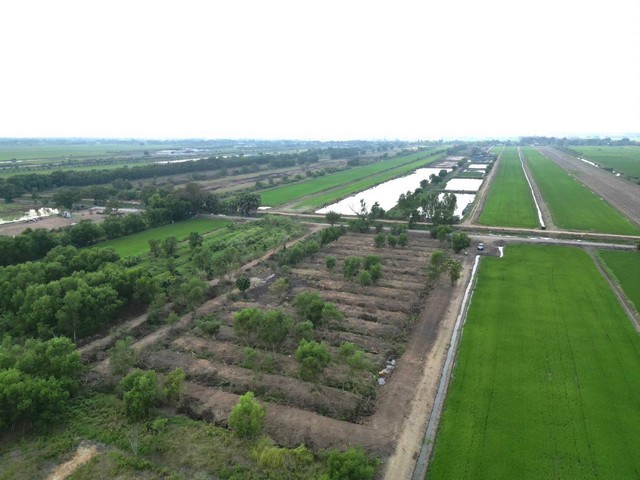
{"x": 509, "y": 202}
{"x": 572, "y": 205}
{"x": 547, "y": 382}
{"x": 274, "y": 197}
{"x": 626, "y": 267}
{"x": 622, "y": 159}
{"x": 138, "y": 243}
{"x": 174, "y": 448}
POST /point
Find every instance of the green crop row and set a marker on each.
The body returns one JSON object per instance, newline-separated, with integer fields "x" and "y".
{"x": 572, "y": 205}
{"x": 509, "y": 203}
{"x": 547, "y": 381}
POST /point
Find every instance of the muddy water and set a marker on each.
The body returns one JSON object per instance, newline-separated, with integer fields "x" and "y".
{"x": 462, "y": 200}
{"x": 386, "y": 194}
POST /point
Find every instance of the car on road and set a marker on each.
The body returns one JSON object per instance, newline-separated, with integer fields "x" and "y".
{"x": 481, "y": 246}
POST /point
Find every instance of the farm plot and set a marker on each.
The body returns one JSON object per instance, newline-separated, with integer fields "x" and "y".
{"x": 274, "y": 197}
{"x": 621, "y": 159}
{"x": 509, "y": 202}
{"x": 574, "y": 206}
{"x": 547, "y": 381}
{"x": 138, "y": 243}
{"x": 626, "y": 268}
{"x": 373, "y": 320}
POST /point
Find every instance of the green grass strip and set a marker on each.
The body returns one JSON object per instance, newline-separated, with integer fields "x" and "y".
{"x": 547, "y": 381}
{"x": 274, "y": 197}
{"x": 574, "y": 206}
{"x": 138, "y": 243}
{"x": 626, "y": 267}
{"x": 509, "y": 202}
{"x": 623, "y": 159}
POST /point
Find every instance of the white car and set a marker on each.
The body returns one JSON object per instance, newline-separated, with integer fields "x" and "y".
{"x": 481, "y": 246}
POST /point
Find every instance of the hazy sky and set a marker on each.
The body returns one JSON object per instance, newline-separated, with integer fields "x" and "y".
{"x": 319, "y": 69}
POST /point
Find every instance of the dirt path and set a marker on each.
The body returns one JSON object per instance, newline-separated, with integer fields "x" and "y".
{"x": 426, "y": 356}
{"x": 615, "y": 286}
{"x": 48, "y": 223}
{"x": 481, "y": 195}
{"x": 84, "y": 453}
{"x": 621, "y": 194}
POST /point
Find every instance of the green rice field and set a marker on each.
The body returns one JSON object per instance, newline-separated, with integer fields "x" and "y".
{"x": 274, "y": 197}
{"x": 547, "y": 380}
{"x": 509, "y": 202}
{"x": 138, "y": 243}
{"x": 574, "y": 206}
{"x": 623, "y": 159}
{"x": 626, "y": 267}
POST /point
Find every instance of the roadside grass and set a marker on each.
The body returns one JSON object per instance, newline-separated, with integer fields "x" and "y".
{"x": 574, "y": 206}
{"x": 547, "y": 380}
{"x": 509, "y": 202}
{"x": 625, "y": 159}
{"x": 335, "y": 194}
{"x": 172, "y": 447}
{"x": 138, "y": 243}
{"x": 274, "y": 197}
{"x": 626, "y": 267}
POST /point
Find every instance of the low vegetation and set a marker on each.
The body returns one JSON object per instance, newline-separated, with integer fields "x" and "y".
{"x": 574, "y": 206}
{"x": 509, "y": 202}
{"x": 546, "y": 384}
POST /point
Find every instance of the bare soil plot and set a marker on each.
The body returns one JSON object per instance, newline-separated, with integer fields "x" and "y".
{"x": 618, "y": 192}
{"x": 397, "y": 319}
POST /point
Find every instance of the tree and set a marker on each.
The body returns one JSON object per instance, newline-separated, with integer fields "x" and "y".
{"x": 122, "y": 357}
{"x": 380, "y": 240}
{"x": 243, "y": 283}
{"x": 66, "y": 197}
{"x": 455, "y": 269}
{"x": 460, "y": 241}
{"x": 174, "y": 385}
{"x": 330, "y": 262}
{"x": 140, "y": 393}
{"x": 354, "y": 357}
{"x": 351, "y": 266}
{"x": 247, "y": 417}
{"x": 247, "y": 203}
{"x": 309, "y": 307}
{"x": 170, "y": 246}
{"x": 353, "y": 464}
{"x": 246, "y": 323}
{"x": 376, "y": 272}
{"x": 332, "y": 217}
{"x": 438, "y": 260}
{"x": 195, "y": 240}
{"x": 313, "y": 358}
{"x": 403, "y": 239}
{"x": 364, "y": 278}
{"x": 392, "y": 240}
{"x": 273, "y": 328}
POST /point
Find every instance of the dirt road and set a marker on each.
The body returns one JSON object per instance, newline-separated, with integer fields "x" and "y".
{"x": 618, "y": 192}
{"x": 481, "y": 194}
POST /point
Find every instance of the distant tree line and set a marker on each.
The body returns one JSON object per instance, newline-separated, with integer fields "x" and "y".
{"x": 29, "y": 182}
{"x": 163, "y": 207}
